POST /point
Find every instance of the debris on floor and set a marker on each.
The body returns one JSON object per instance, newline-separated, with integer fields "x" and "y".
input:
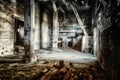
{"x": 52, "y": 70}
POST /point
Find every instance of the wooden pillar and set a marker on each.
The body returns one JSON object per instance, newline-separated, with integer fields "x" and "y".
{"x": 29, "y": 25}
{"x": 55, "y": 27}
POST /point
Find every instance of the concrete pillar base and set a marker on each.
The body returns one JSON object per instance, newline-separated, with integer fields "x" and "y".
{"x": 30, "y": 58}
{"x": 87, "y": 44}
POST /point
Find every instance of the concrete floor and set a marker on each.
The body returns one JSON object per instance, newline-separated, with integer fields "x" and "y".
{"x": 66, "y": 54}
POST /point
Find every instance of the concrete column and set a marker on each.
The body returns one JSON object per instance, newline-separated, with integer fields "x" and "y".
{"x": 96, "y": 40}
{"x": 29, "y": 25}
{"x": 74, "y": 41}
{"x": 37, "y": 27}
{"x": 45, "y": 32}
{"x": 87, "y": 43}
{"x": 55, "y": 27}
{"x": 65, "y": 40}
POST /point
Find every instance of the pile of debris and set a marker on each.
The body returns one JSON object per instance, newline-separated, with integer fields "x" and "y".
{"x": 59, "y": 70}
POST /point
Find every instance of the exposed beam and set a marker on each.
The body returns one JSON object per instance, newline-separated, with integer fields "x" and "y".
{"x": 79, "y": 19}
{"x": 103, "y": 2}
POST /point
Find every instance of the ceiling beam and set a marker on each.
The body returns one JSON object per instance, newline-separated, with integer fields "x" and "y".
{"x": 79, "y": 19}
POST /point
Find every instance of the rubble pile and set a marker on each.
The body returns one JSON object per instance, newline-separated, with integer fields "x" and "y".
{"x": 59, "y": 70}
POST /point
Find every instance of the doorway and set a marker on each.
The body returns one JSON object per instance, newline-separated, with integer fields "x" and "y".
{"x": 19, "y": 36}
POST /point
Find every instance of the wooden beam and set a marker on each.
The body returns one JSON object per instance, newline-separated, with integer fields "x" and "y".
{"x": 79, "y": 19}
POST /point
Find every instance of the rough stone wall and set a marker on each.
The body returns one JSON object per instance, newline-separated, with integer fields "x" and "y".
{"x": 7, "y": 11}
{"x": 108, "y": 53}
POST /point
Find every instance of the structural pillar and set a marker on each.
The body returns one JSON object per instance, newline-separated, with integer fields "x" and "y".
{"x": 96, "y": 40}
{"x": 29, "y": 30}
{"x": 37, "y": 27}
{"x": 87, "y": 44}
{"x": 45, "y": 31}
{"x": 74, "y": 41}
{"x": 55, "y": 27}
{"x": 65, "y": 41}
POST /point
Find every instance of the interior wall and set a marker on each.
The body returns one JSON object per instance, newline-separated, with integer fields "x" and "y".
{"x": 7, "y": 23}
{"x": 108, "y": 53}
{"x": 6, "y": 28}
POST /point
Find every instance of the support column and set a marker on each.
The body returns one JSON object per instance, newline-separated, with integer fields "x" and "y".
{"x": 29, "y": 25}
{"x": 87, "y": 44}
{"x": 74, "y": 41}
{"x": 37, "y": 27}
{"x": 45, "y": 31}
{"x": 96, "y": 40}
{"x": 65, "y": 42}
{"x": 55, "y": 27}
